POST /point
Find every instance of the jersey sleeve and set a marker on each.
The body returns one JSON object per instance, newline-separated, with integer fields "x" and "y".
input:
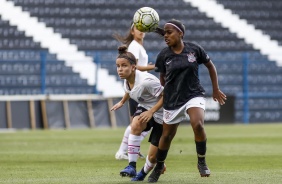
{"x": 134, "y": 49}
{"x": 160, "y": 67}
{"x": 153, "y": 86}
{"x": 203, "y": 56}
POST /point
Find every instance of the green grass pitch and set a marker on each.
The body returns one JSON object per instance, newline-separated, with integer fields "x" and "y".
{"x": 236, "y": 154}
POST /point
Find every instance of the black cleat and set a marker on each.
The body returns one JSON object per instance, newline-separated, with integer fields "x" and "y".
{"x": 203, "y": 169}
{"x": 154, "y": 176}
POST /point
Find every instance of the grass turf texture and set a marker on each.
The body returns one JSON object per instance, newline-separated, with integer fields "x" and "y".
{"x": 236, "y": 154}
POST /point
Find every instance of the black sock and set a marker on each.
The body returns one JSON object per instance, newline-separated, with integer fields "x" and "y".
{"x": 201, "y": 150}
{"x": 161, "y": 156}
{"x": 133, "y": 164}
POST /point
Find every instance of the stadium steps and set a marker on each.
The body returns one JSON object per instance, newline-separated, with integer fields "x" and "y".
{"x": 61, "y": 47}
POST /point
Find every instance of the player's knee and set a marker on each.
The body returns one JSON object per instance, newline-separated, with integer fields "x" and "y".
{"x": 168, "y": 137}
{"x": 136, "y": 129}
{"x": 198, "y": 127}
{"x": 168, "y": 134}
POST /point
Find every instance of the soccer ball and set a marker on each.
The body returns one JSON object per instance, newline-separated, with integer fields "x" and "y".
{"x": 146, "y": 19}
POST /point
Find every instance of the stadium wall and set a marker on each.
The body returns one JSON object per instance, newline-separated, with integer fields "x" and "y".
{"x": 60, "y": 111}
{"x": 80, "y": 111}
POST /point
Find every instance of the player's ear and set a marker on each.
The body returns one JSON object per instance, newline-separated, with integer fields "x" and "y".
{"x": 181, "y": 34}
{"x": 134, "y": 67}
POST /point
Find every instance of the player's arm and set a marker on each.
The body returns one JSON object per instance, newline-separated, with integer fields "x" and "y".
{"x": 147, "y": 115}
{"x": 146, "y": 68}
{"x": 218, "y": 95}
{"x": 162, "y": 78}
{"x": 158, "y": 105}
{"x": 149, "y": 67}
{"x": 121, "y": 102}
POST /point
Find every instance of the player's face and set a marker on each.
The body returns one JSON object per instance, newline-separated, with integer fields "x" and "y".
{"x": 138, "y": 35}
{"x": 172, "y": 36}
{"x": 124, "y": 68}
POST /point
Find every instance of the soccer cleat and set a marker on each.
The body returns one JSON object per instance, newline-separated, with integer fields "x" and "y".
{"x": 203, "y": 169}
{"x": 121, "y": 156}
{"x": 139, "y": 177}
{"x": 128, "y": 171}
{"x": 164, "y": 169}
{"x": 141, "y": 155}
{"x": 154, "y": 176}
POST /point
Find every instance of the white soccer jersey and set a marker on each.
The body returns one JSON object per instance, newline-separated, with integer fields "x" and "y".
{"x": 146, "y": 92}
{"x": 139, "y": 52}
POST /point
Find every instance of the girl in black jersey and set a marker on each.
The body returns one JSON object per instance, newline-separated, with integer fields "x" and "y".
{"x": 183, "y": 94}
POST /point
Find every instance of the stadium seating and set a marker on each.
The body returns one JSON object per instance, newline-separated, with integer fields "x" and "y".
{"x": 90, "y": 24}
{"x": 264, "y": 15}
{"x": 77, "y": 20}
{"x": 20, "y": 67}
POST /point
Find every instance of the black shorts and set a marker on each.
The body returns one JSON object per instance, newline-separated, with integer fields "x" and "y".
{"x": 156, "y": 134}
{"x": 132, "y": 106}
{"x": 157, "y": 130}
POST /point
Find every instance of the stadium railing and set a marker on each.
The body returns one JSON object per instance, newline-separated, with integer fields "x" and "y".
{"x": 60, "y": 111}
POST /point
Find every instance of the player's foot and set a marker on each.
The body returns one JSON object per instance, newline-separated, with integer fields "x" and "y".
{"x": 139, "y": 177}
{"x": 164, "y": 169}
{"x": 128, "y": 171}
{"x": 121, "y": 156}
{"x": 203, "y": 169}
{"x": 141, "y": 155}
{"x": 154, "y": 176}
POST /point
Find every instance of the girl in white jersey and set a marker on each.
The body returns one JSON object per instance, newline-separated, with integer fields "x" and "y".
{"x": 134, "y": 41}
{"x": 146, "y": 90}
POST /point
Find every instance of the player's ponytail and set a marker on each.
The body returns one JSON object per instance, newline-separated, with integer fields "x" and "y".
{"x": 127, "y": 39}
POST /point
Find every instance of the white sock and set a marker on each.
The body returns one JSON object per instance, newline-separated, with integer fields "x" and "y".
{"x": 148, "y": 166}
{"x": 134, "y": 142}
{"x": 143, "y": 134}
{"x": 124, "y": 143}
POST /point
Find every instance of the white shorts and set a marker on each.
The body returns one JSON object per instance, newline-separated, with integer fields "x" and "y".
{"x": 178, "y": 115}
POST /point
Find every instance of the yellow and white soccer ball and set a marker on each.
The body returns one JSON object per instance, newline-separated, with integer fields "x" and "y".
{"x": 146, "y": 19}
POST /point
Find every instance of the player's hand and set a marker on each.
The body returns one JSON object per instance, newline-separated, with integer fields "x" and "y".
{"x": 117, "y": 106}
{"x": 219, "y": 97}
{"x": 144, "y": 117}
